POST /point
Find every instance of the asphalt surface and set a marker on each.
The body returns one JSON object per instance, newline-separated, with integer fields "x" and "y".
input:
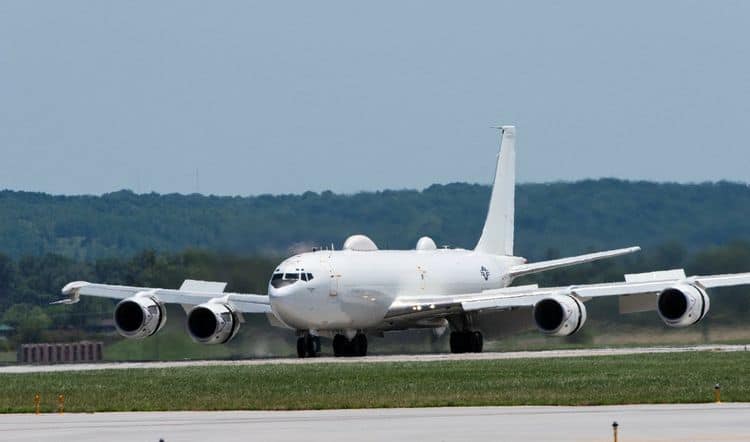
{"x": 694, "y": 422}
{"x": 375, "y": 359}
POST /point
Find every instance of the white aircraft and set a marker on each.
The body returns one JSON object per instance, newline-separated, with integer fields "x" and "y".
{"x": 358, "y": 291}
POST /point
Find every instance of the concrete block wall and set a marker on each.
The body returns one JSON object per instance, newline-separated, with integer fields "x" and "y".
{"x": 61, "y": 353}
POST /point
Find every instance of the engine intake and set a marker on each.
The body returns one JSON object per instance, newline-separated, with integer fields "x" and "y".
{"x": 212, "y": 323}
{"x": 682, "y": 305}
{"x": 559, "y": 315}
{"x": 139, "y": 317}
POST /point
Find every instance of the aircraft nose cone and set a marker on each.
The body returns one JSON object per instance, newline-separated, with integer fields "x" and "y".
{"x": 289, "y": 306}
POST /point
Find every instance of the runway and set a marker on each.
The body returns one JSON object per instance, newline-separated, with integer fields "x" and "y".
{"x": 374, "y": 359}
{"x": 695, "y": 422}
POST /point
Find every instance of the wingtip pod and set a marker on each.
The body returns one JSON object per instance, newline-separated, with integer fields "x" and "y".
{"x": 71, "y": 291}
{"x": 72, "y": 287}
{"x": 497, "y": 234}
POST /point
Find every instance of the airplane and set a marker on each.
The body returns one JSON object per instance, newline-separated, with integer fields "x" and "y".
{"x": 359, "y": 291}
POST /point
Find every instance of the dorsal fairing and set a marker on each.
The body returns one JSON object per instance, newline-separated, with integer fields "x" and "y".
{"x": 360, "y": 243}
{"x": 426, "y": 243}
{"x": 497, "y": 234}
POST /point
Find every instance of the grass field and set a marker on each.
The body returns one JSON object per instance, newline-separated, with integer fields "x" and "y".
{"x": 656, "y": 378}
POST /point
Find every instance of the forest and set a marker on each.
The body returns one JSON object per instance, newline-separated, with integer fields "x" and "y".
{"x": 570, "y": 217}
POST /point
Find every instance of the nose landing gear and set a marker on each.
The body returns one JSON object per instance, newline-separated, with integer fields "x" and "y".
{"x": 344, "y": 347}
{"x": 308, "y": 346}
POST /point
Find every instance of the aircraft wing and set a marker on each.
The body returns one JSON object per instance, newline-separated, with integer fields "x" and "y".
{"x": 643, "y": 289}
{"x": 191, "y": 292}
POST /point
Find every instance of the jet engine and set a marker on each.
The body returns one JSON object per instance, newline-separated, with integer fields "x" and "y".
{"x": 212, "y": 323}
{"x": 140, "y": 316}
{"x": 682, "y": 305}
{"x": 559, "y": 315}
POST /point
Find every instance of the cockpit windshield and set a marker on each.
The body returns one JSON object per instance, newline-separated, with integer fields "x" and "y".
{"x": 279, "y": 280}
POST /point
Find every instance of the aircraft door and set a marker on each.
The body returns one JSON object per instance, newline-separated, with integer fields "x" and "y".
{"x": 333, "y": 288}
{"x": 422, "y": 275}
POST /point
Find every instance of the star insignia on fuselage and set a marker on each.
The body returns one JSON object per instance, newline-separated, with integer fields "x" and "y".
{"x": 485, "y": 273}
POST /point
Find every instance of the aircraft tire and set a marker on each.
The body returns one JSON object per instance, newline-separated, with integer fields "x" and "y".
{"x": 359, "y": 345}
{"x": 301, "y": 348}
{"x": 477, "y": 341}
{"x": 312, "y": 343}
{"x": 339, "y": 345}
{"x": 458, "y": 342}
{"x": 316, "y": 345}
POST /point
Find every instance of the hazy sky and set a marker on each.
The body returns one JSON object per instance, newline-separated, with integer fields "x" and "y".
{"x": 284, "y": 97}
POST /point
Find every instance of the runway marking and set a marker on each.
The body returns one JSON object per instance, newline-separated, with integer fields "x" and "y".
{"x": 543, "y": 354}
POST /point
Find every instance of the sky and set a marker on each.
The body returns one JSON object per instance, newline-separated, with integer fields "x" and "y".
{"x": 247, "y": 98}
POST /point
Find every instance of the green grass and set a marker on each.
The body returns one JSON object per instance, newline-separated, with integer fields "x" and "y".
{"x": 662, "y": 378}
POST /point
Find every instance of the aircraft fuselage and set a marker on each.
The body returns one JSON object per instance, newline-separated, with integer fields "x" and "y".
{"x": 353, "y": 290}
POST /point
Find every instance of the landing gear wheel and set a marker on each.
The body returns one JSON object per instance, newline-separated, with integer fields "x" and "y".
{"x": 308, "y": 346}
{"x": 316, "y": 342}
{"x": 301, "y": 348}
{"x": 477, "y": 342}
{"x": 345, "y": 347}
{"x": 466, "y": 342}
{"x": 359, "y": 345}
{"x": 312, "y": 344}
{"x": 339, "y": 345}
{"x": 457, "y": 342}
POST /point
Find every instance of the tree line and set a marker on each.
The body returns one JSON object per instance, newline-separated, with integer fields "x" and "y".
{"x": 572, "y": 217}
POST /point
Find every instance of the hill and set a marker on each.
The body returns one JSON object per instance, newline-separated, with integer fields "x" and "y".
{"x": 551, "y": 219}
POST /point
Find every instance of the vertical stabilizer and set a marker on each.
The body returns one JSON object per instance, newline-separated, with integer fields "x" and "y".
{"x": 497, "y": 234}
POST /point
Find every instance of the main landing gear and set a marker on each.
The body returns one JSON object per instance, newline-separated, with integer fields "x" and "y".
{"x": 466, "y": 342}
{"x": 308, "y": 346}
{"x": 344, "y": 347}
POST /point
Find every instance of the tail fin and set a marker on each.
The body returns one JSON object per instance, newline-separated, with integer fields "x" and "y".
{"x": 497, "y": 234}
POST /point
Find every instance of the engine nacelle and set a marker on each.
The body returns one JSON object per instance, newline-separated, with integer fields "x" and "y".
{"x": 682, "y": 305}
{"x": 139, "y": 317}
{"x": 559, "y": 315}
{"x": 212, "y": 323}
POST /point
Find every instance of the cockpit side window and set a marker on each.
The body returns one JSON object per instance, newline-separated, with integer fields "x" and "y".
{"x": 309, "y": 277}
{"x": 303, "y": 276}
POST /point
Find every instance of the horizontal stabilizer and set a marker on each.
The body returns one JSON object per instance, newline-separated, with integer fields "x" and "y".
{"x": 527, "y": 269}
